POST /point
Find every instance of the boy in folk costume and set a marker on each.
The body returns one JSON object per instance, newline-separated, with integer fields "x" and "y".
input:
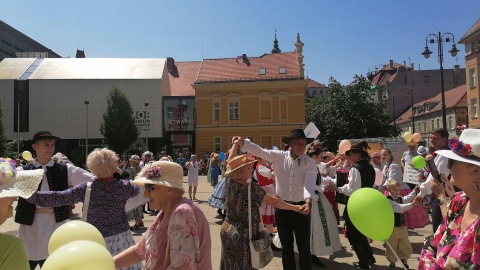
{"x": 37, "y": 224}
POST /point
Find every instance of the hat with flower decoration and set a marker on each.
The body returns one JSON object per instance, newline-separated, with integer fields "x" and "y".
{"x": 164, "y": 173}
{"x": 466, "y": 148}
{"x": 15, "y": 183}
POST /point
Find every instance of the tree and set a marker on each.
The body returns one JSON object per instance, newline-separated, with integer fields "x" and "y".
{"x": 3, "y": 138}
{"x": 118, "y": 125}
{"x": 347, "y": 112}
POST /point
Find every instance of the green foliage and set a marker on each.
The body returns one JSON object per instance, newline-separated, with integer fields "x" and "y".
{"x": 11, "y": 148}
{"x": 348, "y": 113}
{"x": 3, "y": 138}
{"x": 118, "y": 125}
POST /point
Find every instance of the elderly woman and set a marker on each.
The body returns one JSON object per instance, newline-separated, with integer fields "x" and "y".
{"x": 455, "y": 244}
{"x": 179, "y": 238}
{"x": 234, "y": 231}
{"x": 107, "y": 201}
{"x": 12, "y": 184}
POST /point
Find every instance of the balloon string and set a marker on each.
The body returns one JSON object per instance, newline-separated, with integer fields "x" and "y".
{"x": 398, "y": 258}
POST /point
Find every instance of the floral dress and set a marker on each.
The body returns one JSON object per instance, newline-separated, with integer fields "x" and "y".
{"x": 136, "y": 213}
{"x": 449, "y": 248}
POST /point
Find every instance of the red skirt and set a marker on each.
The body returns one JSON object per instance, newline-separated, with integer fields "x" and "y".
{"x": 415, "y": 217}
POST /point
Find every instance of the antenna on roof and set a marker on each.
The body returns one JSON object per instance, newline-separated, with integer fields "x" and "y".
{"x": 202, "y": 50}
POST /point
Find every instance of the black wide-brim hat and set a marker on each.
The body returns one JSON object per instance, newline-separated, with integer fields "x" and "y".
{"x": 356, "y": 148}
{"x": 44, "y": 134}
{"x": 297, "y": 134}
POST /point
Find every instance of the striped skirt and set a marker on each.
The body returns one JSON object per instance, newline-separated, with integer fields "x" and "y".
{"x": 217, "y": 198}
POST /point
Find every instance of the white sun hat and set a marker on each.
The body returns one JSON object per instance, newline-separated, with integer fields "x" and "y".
{"x": 464, "y": 149}
{"x": 164, "y": 173}
{"x": 15, "y": 183}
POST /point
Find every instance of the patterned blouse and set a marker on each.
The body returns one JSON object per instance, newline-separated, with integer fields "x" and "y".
{"x": 449, "y": 248}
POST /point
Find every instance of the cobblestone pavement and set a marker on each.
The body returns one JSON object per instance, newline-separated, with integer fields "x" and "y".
{"x": 342, "y": 259}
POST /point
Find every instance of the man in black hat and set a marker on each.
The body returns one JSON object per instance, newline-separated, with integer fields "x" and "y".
{"x": 37, "y": 224}
{"x": 295, "y": 174}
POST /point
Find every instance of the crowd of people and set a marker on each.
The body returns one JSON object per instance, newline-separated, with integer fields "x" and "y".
{"x": 293, "y": 195}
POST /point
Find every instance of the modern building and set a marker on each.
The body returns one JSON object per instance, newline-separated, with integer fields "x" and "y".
{"x": 427, "y": 114}
{"x": 15, "y": 44}
{"x": 67, "y": 96}
{"x": 471, "y": 39}
{"x": 400, "y": 85}
{"x": 260, "y": 98}
{"x": 315, "y": 89}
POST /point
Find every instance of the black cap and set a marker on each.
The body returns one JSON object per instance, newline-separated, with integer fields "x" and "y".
{"x": 43, "y": 134}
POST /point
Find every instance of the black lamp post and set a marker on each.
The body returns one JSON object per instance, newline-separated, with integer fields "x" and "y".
{"x": 440, "y": 39}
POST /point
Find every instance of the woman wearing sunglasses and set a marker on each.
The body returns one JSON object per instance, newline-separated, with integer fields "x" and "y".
{"x": 455, "y": 244}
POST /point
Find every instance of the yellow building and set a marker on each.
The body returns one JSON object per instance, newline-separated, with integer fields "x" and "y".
{"x": 471, "y": 39}
{"x": 262, "y": 98}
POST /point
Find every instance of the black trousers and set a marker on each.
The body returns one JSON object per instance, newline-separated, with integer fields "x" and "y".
{"x": 290, "y": 223}
{"x": 33, "y": 264}
{"x": 436, "y": 214}
{"x": 359, "y": 244}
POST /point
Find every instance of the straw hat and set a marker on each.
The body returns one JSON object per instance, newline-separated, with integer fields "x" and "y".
{"x": 164, "y": 173}
{"x": 238, "y": 162}
{"x": 411, "y": 143}
{"x": 464, "y": 149}
{"x": 15, "y": 183}
{"x": 135, "y": 157}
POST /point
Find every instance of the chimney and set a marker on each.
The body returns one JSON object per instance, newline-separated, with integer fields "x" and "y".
{"x": 170, "y": 63}
{"x": 391, "y": 64}
{"x": 80, "y": 53}
{"x": 405, "y": 63}
{"x": 244, "y": 58}
{"x": 456, "y": 75}
{"x": 412, "y": 66}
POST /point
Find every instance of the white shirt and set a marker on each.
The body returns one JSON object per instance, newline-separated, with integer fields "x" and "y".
{"x": 37, "y": 235}
{"x": 354, "y": 182}
{"x": 294, "y": 178}
{"x": 407, "y": 204}
{"x": 442, "y": 165}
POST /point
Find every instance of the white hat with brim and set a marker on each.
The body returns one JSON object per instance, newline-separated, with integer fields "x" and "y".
{"x": 164, "y": 173}
{"x": 465, "y": 149}
{"x": 24, "y": 184}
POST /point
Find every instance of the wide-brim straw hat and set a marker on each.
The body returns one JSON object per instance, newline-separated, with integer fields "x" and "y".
{"x": 411, "y": 143}
{"x": 23, "y": 184}
{"x": 238, "y": 162}
{"x": 465, "y": 149}
{"x": 164, "y": 173}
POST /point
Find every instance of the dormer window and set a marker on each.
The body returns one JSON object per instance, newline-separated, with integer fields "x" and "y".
{"x": 415, "y": 110}
{"x": 262, "y": 71}
{"x": 426, "y": 107}
{"x": 282, "y": 70}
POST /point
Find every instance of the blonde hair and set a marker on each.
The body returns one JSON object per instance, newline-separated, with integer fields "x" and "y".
{"x": 391, "y": 183}
{"x": 102, "y": 162}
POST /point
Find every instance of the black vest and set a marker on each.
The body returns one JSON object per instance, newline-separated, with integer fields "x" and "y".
{"x": 399, "y": 217}
{"x": 367, "y": 175}
{"x": 57, "y": 177}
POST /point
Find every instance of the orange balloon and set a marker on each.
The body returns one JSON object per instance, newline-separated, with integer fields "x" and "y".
{"x": 344, "y": 146}
{"x": 416, "y": 137}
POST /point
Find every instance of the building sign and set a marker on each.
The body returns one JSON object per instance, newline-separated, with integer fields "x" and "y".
{"x": 142, "y": 120}
{"x": 179, "y": 114}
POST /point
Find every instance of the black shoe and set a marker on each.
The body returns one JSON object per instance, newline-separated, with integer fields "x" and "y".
{"x": 316, "y": 261}
{"x": 391, "y": 265}
{"x": 405, "y": 263}
{"x": 275, "y": 248}
{"x": 357, "y": 265}
{"x": 372, "y": 260}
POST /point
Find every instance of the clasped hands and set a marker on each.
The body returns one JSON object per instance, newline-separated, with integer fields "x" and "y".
{"x": 303, "y": 209}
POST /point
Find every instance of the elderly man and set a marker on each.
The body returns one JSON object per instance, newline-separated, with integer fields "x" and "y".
{"x": 147, "y": 157}
{"x": 296, "y": 174}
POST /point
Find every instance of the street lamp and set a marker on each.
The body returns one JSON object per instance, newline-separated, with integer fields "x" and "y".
{"x": 440, "y": 39}
{"x": 86, "y": 130}
{"x": 410, "y": 93}
{"x": 146, "y": 126}
{"x": 18, "y": 126}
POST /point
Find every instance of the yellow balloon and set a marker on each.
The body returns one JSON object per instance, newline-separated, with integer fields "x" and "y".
{"x": 74, "y": 231}
{"x": 27, "y": 155}
{"x": 80, "y": 255}
{"x": 407, "y": 136}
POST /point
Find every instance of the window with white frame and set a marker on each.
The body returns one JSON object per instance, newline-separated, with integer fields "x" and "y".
{"x": 472, "y": 79}
{"x": 216, "y": 111}
{"x": 233, "y": 110}
{"x": 216, "y": 143}
{"x": 433, "y": 124}
{"x": 474, "y": 108}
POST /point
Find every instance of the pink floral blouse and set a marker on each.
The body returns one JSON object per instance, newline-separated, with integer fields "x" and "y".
{"x": 449, "y": 248}
{"x": 185, "y": 233}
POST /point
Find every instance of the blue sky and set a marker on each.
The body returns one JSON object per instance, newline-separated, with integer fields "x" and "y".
{"x": 342, "y": 38}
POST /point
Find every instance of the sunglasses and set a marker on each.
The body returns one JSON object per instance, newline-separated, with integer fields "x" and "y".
{"x": 149, "y": 187}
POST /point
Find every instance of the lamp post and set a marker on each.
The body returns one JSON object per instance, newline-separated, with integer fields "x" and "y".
{"x": 410, "y": 93}
{"x": 86, "y": 130}
{"x": 146, "y": 127}
{"x": 440, "y": 39}
{"x": 18, "y": 126}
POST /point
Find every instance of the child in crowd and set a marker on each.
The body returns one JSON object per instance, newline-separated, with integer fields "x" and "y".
{"x": 399, "y": 238}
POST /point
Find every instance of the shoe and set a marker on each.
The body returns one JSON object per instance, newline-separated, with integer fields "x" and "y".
{"x": 316, "y": 261}
{"x": 405, "y": 263}
{"x": 195, "y": 199}
{"x": 357, "y": 265}
{"x": 275, "y": 248}
{"x": 137, "y": 226}
{"x": 391, "y": 265}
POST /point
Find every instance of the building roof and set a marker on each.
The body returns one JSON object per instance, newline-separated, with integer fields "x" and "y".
{"x": 13, "y": 68}
{"x": 99, "y": 68}
{"x": 455, "y": 97}
{"x": 245, "y": 68}
{"x": 314, "y": 84}
{"x": 386, "y": 74}
{"x": 182, "y": 77}
{"x": 474, "y": 29}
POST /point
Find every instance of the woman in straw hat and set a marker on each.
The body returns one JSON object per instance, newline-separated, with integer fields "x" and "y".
{"x": 107, "y": 201}
{"x": 14, "y": 184}
{"x": 234, "y": 232}
{"x": 179, "y": 238}
{"x": 455, "y": 244}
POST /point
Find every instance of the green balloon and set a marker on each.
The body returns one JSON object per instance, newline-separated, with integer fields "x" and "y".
{"x": 371, "y": 213}
{"x": 418, "y": 162}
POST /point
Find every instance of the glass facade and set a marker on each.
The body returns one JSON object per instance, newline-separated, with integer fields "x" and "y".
{"x": 179, "y": 114}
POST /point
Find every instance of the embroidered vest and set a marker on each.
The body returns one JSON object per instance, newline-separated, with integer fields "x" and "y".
{"x": 57, "y": 178}
{"x": 399, "y": 217}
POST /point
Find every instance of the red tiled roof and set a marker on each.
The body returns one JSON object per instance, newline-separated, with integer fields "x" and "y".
{"x": 235, "y": 69}
{"x": 475, "y": 28}
{"x": 455, "y": 97}
{"x": 314, "y": 84}
{"x": 386, "y": 74}
{"x": 182, "y": 77}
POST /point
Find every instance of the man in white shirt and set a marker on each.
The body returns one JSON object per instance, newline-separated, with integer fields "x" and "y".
{"x": 296, "y": 174}
{"x": 147, "y": 156}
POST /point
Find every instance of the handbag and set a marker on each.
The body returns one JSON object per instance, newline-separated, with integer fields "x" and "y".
{"x": 261, "y": 252}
